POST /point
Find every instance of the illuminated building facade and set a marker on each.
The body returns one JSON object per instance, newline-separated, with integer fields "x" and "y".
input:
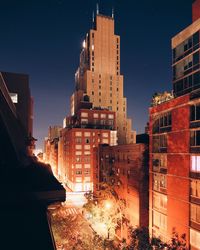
{"x": 51, "y": 148}
{"x": 175, "y": 144}
{"x": 126, "y": 168}
{"x": 99, "y": 77}
{"x": 81, "y": 133}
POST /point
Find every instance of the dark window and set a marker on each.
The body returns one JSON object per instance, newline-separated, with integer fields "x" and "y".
{"x": 78, "y": 172}
{"x": 195, "y": 138}
{"x": 196, "y": 38}
{"x": 195, "y": 112}
{"x": 196, "y": 58}
{"x": 196, "y": 78}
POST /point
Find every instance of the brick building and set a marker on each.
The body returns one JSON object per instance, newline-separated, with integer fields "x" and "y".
{"x": 175, "y": 144}
{"x": 83, "y": 132}
{"x": 126, "y": 168}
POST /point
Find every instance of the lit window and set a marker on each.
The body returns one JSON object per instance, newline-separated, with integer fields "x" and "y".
{"x": 86, "y": 165}
{"x": 105, "y": 135}
{"x": 78, "y": 153}
{"x": 78, "y": 179}
{"x": 87, "y": 171}
{"x": 78, "y": 165}
{"x": 84, "y": 114}
{"x": 195, "y": 163}
{"x": 86, "y": 152}
{"x": 86, "y": 134}
{"x": 14, "y": 97}
{"x": 105, "y": 141}
{"x": 86, "y": 146}
{"x": 78, "y": 147}
{"x": 87, "y": 179}
{"x": 95, "y": 115}
{"x": 194, "y": 238}
{"x": 78, "y": 133}
{"x": 103, "y": 115}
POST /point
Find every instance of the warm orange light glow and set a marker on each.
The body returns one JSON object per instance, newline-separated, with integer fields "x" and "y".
{"x": 108, "y": 205}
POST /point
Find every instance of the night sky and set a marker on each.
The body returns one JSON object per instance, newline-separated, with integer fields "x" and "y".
{"x": 43, "y": 39}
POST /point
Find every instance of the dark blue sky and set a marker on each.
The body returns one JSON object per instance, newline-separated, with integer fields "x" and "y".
{"x": 43, "y": 39}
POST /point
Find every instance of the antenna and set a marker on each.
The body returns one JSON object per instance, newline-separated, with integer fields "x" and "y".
{"x": 112, "y": 12}
{"x": 97, "y": 9}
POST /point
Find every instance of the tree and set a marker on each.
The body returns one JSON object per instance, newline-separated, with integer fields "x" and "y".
{"x": 141, "y": 240}
{"x": 105, "y": 210}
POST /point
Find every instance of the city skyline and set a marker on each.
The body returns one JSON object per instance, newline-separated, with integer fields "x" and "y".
{"x": 52, "y": 79}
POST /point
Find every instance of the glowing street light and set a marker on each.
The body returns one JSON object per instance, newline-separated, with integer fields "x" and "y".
{"x": 108, "y": 205}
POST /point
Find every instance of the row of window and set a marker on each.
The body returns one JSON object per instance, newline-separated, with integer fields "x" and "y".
{"x": 186, "y": 66}
{"x": 79, "y": 165}
{"x": 187, "y": 84}
{"x": 80, "y": 172}
{"x": 161, "y": 122}
{"x": 98, "y": 122}
{"x": 96, "y": 115}
{"x": 186, "y": 47}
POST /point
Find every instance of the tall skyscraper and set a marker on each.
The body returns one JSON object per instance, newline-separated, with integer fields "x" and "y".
{"x": 175, "y": 144}
{"x": 99, "y": 77}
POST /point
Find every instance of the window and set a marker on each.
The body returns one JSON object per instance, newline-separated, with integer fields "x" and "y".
{"x": 78, "y": 179}
{"x": 87, "y": 179}
{"x": 195, "y": 112}
{"x": 110, "y": 122}
{"x": 78, "y": 133}
{"x": 95, "y": 115}
{"x": 159, "y": 182}
{"x": 110, "y": 116}
{"x": 161, "y": 122}
{"x": 86, "y": 165}
{"x": 87, "y": 134}
{"x": 84, "y": 114}
{"x": 78, "y": 152}
{"x": 105, "y": 141}
{"x": 103, "y": 122}
{"x": 14, "y": 97}
{"x": 78, "y": 146}
{"x": 87, "y": 159}
{"x": 87, "y": 140}
{"x": 159, "y": 143}
{"x": 78, "y": 159}
{"x": 159, "y": 162}
{"x": 195, "y": 138}
{"x": 194, "y": 238}
{"x": 195, "y": 188}
{"x": 103, "y": 115}
{"x": 160, "y": 202}
{"x": 110, "y": 101}
{"x": 99, "y": 93}
{"x": 86, "y": 146}
{"x": 195, "y": 163}
{"x": 78, "y": 165}
{"x": 84, "y": 121}
{"x": 87, "y": 172}
{"x": 105, "y": 135}
{"x": 78, "y": 140}
{"x": 78, "y": 172}
{"x": 195, "y": 213}
{"x": 86, "y": 152}
{"x": 159, "y": 220}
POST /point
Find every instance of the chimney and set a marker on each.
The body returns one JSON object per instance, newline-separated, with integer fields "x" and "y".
{"x": 195, "y": 10}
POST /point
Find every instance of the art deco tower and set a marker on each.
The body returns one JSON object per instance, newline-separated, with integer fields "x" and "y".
{"x": 99, "y": 77}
